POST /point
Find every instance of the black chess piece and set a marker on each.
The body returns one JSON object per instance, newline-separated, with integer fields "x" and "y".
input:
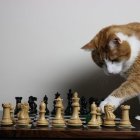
{"x": 83, "y": 103}
{"x": 17, "y": 109}
{"x": 91, "y": 100}
{"x": 54, "y": 102}
{"x": 99, "y": 101}
{"x": 32, "y": 105}
{"x": 45, "y": 99}
{"x": 68, "y": 110}
{"x": 57, "y": 95}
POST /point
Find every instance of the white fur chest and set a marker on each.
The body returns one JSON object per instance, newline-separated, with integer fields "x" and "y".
{"x": 134, "y": 43}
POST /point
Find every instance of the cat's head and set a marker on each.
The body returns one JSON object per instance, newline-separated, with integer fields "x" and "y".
{"x": 109, "y": 50}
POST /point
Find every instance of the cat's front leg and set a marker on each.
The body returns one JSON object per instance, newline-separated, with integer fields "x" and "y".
{"x": 127, "y": 90}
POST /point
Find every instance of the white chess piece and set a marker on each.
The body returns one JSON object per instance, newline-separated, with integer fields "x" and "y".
{"x": 114, "y": 101}
{"x": 58, "y": 120}
{"x": 109, "y": 119}
{"x": 6, "y": 117}
{"x": 99, "y": 118}
{"x": 125, "y": 121}
{"x": 75, "y": 119}
{"x": 93, "y": 122}
{"x": 22, "y": 116}
{"x": 42, "y": 121}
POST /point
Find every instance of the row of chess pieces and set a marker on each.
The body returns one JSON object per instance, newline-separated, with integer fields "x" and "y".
{"x": 96, "y": 121}
{"x": 84, "y": 104}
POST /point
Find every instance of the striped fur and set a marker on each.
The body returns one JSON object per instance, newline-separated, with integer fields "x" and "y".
{"x": 116, "y": 49}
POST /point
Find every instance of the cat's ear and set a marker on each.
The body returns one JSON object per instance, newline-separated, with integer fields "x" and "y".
{"x": 89, "y": 46}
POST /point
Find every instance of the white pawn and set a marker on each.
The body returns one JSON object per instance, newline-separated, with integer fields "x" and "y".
{"x": 42, "y": 121}
{"x": 99, "y": 118}
{"x": 27, "y": 112}
{"x": 6, "y": 117}
{"x": 12, "y": 113}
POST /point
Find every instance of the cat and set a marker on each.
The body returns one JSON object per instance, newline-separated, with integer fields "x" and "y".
{"x": 116, "y": 49}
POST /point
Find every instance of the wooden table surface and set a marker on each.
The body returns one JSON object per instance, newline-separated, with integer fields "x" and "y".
{"x": 65, "y": 133}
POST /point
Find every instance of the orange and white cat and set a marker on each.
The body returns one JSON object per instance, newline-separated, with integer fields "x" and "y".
{"x": 116, "y": 49}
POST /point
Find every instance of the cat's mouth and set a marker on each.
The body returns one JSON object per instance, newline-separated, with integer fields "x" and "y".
{"x": 112, "y": 68}
{"x": 110, "y": 73}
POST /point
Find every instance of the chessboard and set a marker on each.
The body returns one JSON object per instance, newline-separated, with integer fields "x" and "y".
{"x": 32, "y": 124}
{"x": 33, "y": 132}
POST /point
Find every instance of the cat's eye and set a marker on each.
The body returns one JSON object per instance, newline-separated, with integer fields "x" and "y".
{"x": 117, "y": 40}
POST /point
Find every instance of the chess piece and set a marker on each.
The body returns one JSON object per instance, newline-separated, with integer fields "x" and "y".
{"x": 54, "y": 102}
{"x": 75, "y": 120}
{"x": 109, "y": 119}
{"x": 62, "y": 108}
{"x": 90, "y": 101}
{"x": 58, "y": 120}
{"x": 99, "y": 119}
{"x": 42, "y": 121}
{"x": 98, "y": 101}
{"x": 18, "y": 100}
{"x": 27, "y": 112}
{"x": 32, "y": 105}
{"x": 68, "y": 110}
{"x": 93, "y": 122}
{"x": 45, "y": 99}
{"x": 22, "y": 116}
{"x": 12, "y": 113}
{"x": 125, "y": 121}
{"x": 83, "y": 110}
{"x": 6, "y": 117}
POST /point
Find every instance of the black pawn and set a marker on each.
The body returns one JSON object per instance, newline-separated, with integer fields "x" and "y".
{"x": 83, "y": 109}
{"x": 17, "y": 109}
{"x": 68, "y": 110}
{"x": 54, "y": 102}
{"x": 45, "y": 99}
{"x": 32, "y": 105}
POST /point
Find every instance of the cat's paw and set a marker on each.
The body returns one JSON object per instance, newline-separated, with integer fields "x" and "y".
{"x": 137, "y": 117}
{"x": 114, "y": 101}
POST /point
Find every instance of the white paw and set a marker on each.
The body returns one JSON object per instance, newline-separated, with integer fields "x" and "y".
{"x": 137, "y": 117}
{"x": 102, "y": 104}
{"x": 112, "y": 101}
